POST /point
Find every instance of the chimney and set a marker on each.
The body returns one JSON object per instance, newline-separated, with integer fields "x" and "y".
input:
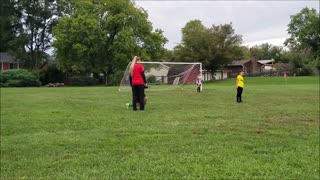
{"x": 254, "y": 64}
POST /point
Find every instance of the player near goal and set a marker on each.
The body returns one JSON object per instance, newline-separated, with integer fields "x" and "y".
{"x": 139, "y": 82}
{"x": 199, "y": 83}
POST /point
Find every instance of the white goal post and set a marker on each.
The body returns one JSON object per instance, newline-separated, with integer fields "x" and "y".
{"x": 165, "y": 75}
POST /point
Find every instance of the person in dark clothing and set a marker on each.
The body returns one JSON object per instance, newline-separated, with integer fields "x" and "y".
{"x": 138, "y": 82}
{"x": 144, "y": 95}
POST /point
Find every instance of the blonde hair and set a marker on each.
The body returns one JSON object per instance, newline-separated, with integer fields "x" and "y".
{"x": 134, "y": 61}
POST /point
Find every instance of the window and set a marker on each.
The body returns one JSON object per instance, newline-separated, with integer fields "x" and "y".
{"x": 13, "y": 65}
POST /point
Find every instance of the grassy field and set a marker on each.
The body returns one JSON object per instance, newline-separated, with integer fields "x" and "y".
{"x": 87, "y": 132}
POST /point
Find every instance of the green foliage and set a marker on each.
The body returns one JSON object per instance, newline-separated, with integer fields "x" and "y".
{"x": 7, "y": 28}
{"x": 87, "y": 132}
{"x": 168, "y": 56}
{"x": 193, "y": 42}
{"x": 151, "y": 79}
{"x": 33, "y": 21}
{"x": 306, "y": 70}
{"x": 305, "y": 34}
{"x": 243, "y": 53}
{"x": 51, "y": 75}
{"x": 213, "y": 46}
{"x": 116, "y": 78}
{"x": 304, "y": 30}
{"x": 103, "y": 36}
{"x": 267, "y": 51}
{"x": 81, "y": 81}
{"x": 18, "y": 78}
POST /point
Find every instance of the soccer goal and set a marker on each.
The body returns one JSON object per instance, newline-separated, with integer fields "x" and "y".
{"x": 165, "y": 75}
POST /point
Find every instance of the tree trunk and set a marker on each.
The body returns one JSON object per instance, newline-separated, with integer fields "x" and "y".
{"x": 106, "y": 76}
{"x": 212, "y": 74}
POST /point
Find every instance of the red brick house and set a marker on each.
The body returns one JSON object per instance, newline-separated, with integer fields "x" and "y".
{"x": 250, "y": 67}
{"x": 8, "y": 62}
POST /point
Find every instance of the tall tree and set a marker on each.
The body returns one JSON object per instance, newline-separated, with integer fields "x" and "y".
{"x": 267, "y": 51}
{"x": 7, "y": 33}
{"x": 102, "y": 36}
{"x": 213, "y": 46}
{"x": 224, "y": 47}
{"x": 245, "y": 52}
{"x": 304, "y": 30}
{"x": 33, "y": 21}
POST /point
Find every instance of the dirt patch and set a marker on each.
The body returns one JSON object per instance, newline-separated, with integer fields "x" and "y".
{"x": 259, "y": 131}
{"x": 276, "y": 121}
{"x": 310, "y": 122}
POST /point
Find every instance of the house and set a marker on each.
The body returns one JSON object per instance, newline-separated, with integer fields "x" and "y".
{"x": 7, "y": 62}
{"x": 250, "y": 67}
{"x": 160, "y": 74}
{"x": 217, "y": 75}
{"x": 172, "y": 74}
{"x": 267, "y": 65}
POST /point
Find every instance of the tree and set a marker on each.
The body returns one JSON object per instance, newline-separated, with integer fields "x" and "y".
{"x": 7, "y": 28}
{"x": 213, "y": 46}
{"x": 305, "y": 34}
{"x": 102, "y": 36}
{"x": 245, "y": 51}
{"x": 267, "y": 51}
{"x": 223, "y": 48}
{"x": 168, "y": 56}
{"x": 192, "y": 42}
{"x": 33, "y": 21}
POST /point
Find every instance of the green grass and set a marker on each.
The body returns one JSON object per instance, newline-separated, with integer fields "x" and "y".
{"x": 87, "y": 132}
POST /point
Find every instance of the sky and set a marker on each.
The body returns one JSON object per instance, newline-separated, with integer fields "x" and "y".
{"x": 257, "y": 21}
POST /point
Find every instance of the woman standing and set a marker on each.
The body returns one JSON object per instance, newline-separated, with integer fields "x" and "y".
{"x": 239, "y": 86}
{"x": 138, "y": 82}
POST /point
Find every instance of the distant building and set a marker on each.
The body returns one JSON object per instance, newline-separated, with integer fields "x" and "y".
{"x": 267, "y": 65}
{"x": 160, "y": 74}
{"x": 217, "y": 75}
{"x": 7, "y": 62}
{"x": 250, "y": 67}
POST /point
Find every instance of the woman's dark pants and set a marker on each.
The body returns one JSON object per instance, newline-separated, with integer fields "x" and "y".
{"x": 138, "y": 96}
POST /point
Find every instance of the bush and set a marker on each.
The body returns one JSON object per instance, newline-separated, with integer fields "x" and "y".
{"x": 18, "y": 78}
{"x": 151, "y": 79}
{"x": 82, "y": 81}
{"x": 51, "y": 75}
{"x": 306, "y": 70}
{"x": 116, "y": 78}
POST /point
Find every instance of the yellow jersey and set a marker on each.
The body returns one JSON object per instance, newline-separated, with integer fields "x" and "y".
{"x": 240, "y": 81}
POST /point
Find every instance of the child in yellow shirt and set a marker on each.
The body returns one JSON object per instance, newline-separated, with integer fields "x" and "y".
{"x": 239, "y": 86}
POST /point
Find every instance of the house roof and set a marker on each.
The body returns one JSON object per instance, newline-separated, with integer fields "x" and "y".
{"x": 266, "y": 61}
{"x": 6, "y": 58}
{"x": 238, "y": 62}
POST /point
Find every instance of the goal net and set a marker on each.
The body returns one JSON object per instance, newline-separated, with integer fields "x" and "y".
{"x": 165, "y": 75}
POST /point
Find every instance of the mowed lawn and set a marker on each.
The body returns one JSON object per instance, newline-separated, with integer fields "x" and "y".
{"x": 87, "y": 132}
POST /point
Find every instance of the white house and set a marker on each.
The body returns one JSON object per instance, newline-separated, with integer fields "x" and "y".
{"x": 160, "y": 73}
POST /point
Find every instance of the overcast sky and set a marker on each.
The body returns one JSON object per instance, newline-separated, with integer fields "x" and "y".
{"x": 257, "y": 21}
